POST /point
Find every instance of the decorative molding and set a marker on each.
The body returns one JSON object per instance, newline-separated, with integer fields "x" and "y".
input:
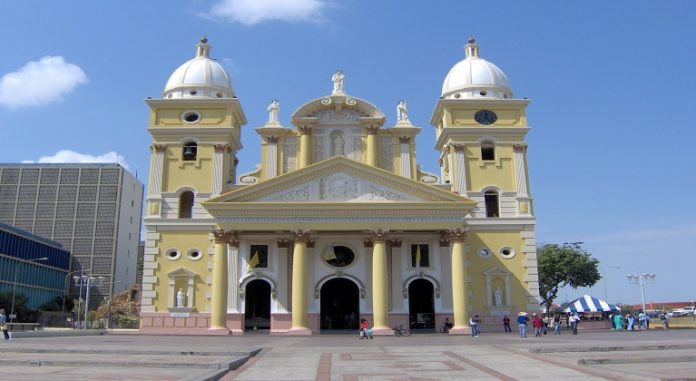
{"x": 519, "y": 148}
{"x": 377, "y": 236}
{"x": 236, "y": 161}
{"x": 222, "y": 147}
{"x": 458, "y": 235}
{"x": 304, "y": 130}
{"x": 271, "y": 139}
{"x": 458, "y": 147}
{"x": 301, "y": 236}
{"x": 229, "y": 237}
{"x": 158, "y": 147}
{"x": 404, "y": 139}
{"x": 371, "y": 130}
{"x": 301, "y": 194}
{"x": 447, "y": 149}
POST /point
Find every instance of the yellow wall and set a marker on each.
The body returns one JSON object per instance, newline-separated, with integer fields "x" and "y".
{"x": 178, "y": 173}
{"x": 499, "y": 172}
{"x": 209, "y": 116}
{"x": 494, "y": 241}
{"x": 183, "y": 241}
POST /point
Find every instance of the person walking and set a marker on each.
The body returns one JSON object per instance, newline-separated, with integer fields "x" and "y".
{"x": 665, "y": 321}
{"x": 3, "y": 324}
{"x": 522, "y": 322}
{"x": 474, "y": 322}
{"x": 537, "y": 323}
{"x": 556, "y": 325}
{"x": 506, "y": 324}
{"x": 641, "y": 320}
{"x": 574, "y": 320}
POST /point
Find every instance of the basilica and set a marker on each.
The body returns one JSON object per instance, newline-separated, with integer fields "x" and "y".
{"x": 338, "y": 222}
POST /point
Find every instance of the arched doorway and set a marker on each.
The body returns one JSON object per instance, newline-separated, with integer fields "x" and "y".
{"x": 257, "y": 305}
{"x": 340, "y": 305}
{"x": 421, "y": 304}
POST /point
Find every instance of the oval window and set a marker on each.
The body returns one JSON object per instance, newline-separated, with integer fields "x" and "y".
{"x": 339, "y": 256}
{"x": 191, "y": 117}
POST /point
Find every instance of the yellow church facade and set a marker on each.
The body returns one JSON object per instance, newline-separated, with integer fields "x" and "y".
{"x": 338, "y": 222}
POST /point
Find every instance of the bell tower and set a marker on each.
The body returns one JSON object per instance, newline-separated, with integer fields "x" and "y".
{"x": 480, "y": 130}
{"x": 195, "y": 128}
{"x": 480, "y": 134}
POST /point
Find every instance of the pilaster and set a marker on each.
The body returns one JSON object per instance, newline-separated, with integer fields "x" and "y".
{"x": 460, "y": 297}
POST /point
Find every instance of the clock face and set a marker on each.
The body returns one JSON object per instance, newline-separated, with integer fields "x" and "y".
{"x": 485, "y": 117}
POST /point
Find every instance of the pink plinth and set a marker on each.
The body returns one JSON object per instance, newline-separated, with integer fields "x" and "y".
{"x": 297, "y": 331}
{"x": 382, "y": 331}
{"x": 461, "y": 330}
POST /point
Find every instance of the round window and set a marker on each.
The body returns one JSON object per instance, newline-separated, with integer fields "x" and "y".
{"x": 190, "y": 117}
{"x": 484, "y": 252}
{"x": 172, "y": 254}
{"x": 194, "y": 254}
{"x": 339, "y": 256}
{"x": 507, "y": 252}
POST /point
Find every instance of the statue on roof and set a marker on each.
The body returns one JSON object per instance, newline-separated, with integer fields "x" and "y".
{"x": 273, "y": 110}
{"x": 337, "y": 79}
{"x": 402, "y": 112}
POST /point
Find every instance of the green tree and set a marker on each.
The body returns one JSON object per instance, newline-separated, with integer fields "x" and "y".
{"x": 561, "y": 266}
{"x": 20, "y": 305}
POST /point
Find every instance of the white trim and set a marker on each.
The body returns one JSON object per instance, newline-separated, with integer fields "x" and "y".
{"x": 174, "y": 258}
{"x": 191, "y": 251}
{"x": 185, "y": 112}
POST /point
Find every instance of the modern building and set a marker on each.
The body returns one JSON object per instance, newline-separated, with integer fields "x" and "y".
{"x": 338, "y": 222}
{"x": 93, "y": 210}
{"x": 31, "y": 266}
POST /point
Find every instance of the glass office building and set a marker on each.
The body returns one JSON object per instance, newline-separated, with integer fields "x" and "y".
{"x": 31, "y": 266}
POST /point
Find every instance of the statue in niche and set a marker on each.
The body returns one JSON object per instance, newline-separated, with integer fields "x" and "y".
{"x": 339, "y": 144}
{"x": 498, "y": 297}
{"x": 402, "y": 111}
{"x": 273, "y": 110}
{"x": 180, "y": 298}
{"x": 337, "y": 79}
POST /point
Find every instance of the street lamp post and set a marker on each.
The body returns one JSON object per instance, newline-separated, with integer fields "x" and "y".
{"x": 87, "y": 281}
{"x": 66, "y": 290}
{"x": 14, "y": 284}
{"x": 641, "y": 280}
{"x": 604, "y": 277}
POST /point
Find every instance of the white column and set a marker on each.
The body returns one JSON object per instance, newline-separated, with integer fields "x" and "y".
{"x": 272, "y": 158}
{"x": 460, "y": 169}
{"x": 218, "y": 169}
{"x": 521, "y": 170}
{"x": 233, "y": 277}
{"x": 405, "y": 156}
{"x": 508, "y": 297}
{"x": 157, "y": 169}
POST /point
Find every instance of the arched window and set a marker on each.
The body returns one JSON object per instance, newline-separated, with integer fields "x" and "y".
{"x": 186, "y": 204}
{"x": 487, "y": 150}
{"x": 190, "y": 151}
{"x": 491, "y": 199}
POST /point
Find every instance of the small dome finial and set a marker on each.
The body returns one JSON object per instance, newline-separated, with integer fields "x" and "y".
{"x": 202, "y": 48}
{"x": 472, "y": 48}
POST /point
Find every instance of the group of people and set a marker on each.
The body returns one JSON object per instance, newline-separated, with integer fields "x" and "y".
{"x": 541, "y": 324}
{"x": 638, "y": 322}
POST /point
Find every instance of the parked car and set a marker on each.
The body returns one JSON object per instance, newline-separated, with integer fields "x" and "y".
{"x": 686, "y": 311}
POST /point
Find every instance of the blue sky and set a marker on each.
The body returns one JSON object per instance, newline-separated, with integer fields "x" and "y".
{"x": 612, "y": 88}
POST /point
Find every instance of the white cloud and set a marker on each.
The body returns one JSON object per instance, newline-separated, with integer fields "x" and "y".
{"x": 40, "y": 82}
{"x": 250, "y": 12}
{"x": 68, "y": 156}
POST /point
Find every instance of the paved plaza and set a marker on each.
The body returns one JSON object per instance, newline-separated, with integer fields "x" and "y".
{"x": 654, "y": 355}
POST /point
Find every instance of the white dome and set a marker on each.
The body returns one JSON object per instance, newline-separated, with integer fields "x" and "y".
{"x": 200, "y": 77}
{"x": 474, "y": 77}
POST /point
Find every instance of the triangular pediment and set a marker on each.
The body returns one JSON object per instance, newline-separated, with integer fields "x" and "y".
{"x": 339, "y": 194}
{"x": 340, "y": 179}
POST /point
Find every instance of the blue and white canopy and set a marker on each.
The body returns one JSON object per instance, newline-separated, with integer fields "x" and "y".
{"x": 586, "y": 303}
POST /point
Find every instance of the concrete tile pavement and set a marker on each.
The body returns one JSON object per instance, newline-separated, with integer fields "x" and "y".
{"x": 345, "y": 358}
